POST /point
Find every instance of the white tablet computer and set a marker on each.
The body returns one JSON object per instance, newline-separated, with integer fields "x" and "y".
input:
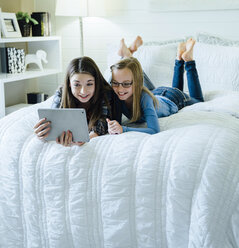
{"x": 66, "y": 119}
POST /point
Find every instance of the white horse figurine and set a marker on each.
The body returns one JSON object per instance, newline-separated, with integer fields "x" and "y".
{"x": 36, "y": 59}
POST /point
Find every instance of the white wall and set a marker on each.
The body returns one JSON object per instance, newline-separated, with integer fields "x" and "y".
{"x": 99, "y": 32}
{"x": 128, "y": 18}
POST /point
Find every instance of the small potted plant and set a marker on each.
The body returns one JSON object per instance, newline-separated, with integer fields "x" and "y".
{"x": 25, "y": 22}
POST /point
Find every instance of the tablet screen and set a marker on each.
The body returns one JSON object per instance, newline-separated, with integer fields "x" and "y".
{"x": 66, "y": 119}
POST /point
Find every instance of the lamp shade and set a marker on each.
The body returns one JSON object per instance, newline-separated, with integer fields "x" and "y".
{"x": 71, "y": 8}
{"x": 96, "y": 8}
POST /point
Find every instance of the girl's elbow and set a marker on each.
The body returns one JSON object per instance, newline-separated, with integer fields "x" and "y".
{"x": 154, "y": 130}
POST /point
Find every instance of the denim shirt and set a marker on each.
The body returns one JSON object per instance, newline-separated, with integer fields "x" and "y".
{"x": 150, "y": 113}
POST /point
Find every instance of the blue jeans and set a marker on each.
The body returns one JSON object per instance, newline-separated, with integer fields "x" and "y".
{"x": 175, "y": 93}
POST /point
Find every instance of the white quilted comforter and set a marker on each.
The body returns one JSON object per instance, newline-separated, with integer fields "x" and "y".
{"x": 178, "y": 188}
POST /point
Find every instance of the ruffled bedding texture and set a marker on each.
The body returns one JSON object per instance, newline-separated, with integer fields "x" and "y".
{"x": 178, "y": 188}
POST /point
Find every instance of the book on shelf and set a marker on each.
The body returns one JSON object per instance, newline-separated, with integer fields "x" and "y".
{"x": 3, "y": 60}
{"x": 43, "y": 28}
{"x": 12, "y": 60}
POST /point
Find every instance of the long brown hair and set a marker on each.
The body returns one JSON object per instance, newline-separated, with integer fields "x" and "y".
{"x": 138, "y": 87}
{"x": 86, "y": 65}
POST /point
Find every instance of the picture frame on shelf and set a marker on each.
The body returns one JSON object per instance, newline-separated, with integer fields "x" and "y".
{"x": 9, "y": 25}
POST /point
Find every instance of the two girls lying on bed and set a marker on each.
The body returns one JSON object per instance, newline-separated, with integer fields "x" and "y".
{"x": 86, "y": 88}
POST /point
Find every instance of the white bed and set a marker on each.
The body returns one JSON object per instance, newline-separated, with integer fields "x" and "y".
{"x": 178, "y": 188}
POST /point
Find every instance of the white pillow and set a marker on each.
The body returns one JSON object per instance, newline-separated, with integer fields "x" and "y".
{"x": 158, "y": 63}
{"x": 218, "y": 66}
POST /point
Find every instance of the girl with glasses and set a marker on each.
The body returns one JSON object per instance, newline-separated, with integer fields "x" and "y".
{"x": 84, "y": 87}
{"x": 140, "y": 101}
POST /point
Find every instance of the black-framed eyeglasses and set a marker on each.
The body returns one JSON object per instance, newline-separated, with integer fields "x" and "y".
{"x": 124, "y": 84}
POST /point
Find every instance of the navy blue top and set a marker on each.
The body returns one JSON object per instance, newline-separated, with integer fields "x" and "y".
{"x": 150, "y": 114}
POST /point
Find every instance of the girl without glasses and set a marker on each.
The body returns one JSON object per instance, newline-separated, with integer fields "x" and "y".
{"x": 84, "y": 87}
{"x": 141, "y": 103}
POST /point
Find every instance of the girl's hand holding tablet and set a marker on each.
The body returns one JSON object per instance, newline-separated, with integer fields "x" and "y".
{"x": 42, "y": 128}
{"x": 66, "y": 139}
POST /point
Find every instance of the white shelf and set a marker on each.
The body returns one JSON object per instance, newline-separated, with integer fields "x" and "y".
{"x": 29, "y": 39}
{"x": 50, "y": 44}
{"x": 7, "y": 77}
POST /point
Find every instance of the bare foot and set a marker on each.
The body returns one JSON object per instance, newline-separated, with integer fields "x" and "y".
{"x": 181, "y": 49}
{"x": 124, "y": 50}
{"x": 188, "y": 54}
{"x": 136, "y": 44}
